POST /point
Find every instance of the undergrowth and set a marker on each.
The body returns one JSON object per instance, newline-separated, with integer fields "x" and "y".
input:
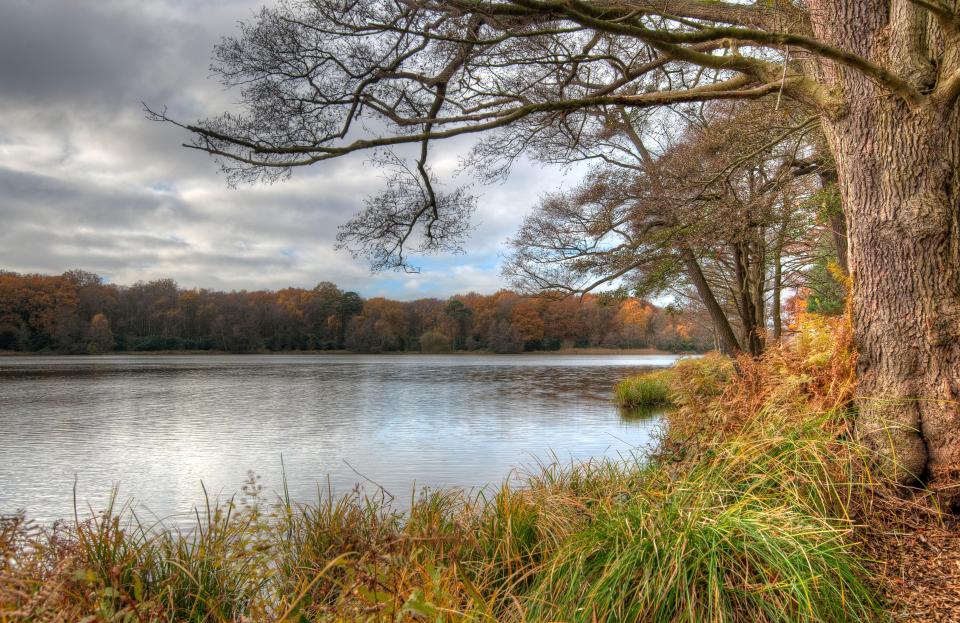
{"x": 744, "y": 513}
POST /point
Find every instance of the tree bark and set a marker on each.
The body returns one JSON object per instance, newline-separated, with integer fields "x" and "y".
{"x": 898, "y": 177}
{"x": 898, "y": 169}
{"x": 749, "y": 281}
{"x": 728, "y": 339}
{"x": 775, "y": 307}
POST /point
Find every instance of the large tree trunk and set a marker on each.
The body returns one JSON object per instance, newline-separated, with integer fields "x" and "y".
{"x": 898, "y": 177}
{"x": 897, "y": 168}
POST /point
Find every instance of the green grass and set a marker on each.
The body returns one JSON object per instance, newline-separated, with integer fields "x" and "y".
{"x": 747, "y": 521}
{"x": 647, "y": 390}
{"x": 688, "y": 382}
{"x": 755, "y": 530}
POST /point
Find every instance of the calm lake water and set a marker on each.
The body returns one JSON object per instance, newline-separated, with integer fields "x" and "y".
{"x": 158, "y": 426}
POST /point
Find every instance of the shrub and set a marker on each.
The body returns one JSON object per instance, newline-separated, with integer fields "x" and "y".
{"x": 435, "y": 342}
{"x": 647, "y": 390}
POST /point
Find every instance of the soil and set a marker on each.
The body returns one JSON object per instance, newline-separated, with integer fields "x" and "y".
{"x": 916, "y": 552}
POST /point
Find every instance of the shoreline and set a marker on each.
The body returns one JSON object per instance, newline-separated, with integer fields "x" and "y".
{"x": 592, "y": 351}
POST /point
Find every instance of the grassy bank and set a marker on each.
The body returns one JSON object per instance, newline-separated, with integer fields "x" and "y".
{"x": 647, "y": 390}
{"x": 689, "y": 382}
{"x": 746, "y": 513}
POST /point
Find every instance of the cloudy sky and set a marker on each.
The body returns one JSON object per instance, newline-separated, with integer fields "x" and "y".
{"x": 86, "y": 181}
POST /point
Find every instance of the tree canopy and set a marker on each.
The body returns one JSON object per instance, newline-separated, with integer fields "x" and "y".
{"x": 77, "y": 313}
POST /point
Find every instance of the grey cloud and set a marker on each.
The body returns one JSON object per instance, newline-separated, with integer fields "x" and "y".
{"x": 87, "y": 182}
{"x": 81, "y": 52}
{"x": 53, "y": 203}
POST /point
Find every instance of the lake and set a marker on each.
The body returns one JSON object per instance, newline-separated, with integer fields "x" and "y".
{"x": 159, "y": 425}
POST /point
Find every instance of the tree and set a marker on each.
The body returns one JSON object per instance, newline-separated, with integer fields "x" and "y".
{"x": 505, "y": 338}
{"x": 381, "y": 326}
{"x": 715, "y": 209}
{"x": 525, "y": 318}
{"x": 99, "y": 336}
{"x": 883, "y": 76}
{"x": 460, "y": 315}
{"x": 634, "y": 320}
{"x": 434, "y": 341}
{"x": 351, "y": 305}
{"x": 322, "y": 315}
{"x": 38, "y": 312}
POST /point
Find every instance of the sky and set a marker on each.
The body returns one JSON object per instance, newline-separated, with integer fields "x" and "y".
{"x": 87, "y": 181}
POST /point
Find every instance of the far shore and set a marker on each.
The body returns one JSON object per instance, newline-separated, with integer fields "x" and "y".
{"x": 563, "y": 351}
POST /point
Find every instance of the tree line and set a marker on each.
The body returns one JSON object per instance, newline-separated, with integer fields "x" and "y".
{"x": 77, "y": 312}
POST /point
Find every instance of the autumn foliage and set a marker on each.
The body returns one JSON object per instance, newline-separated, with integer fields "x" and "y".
{"x": 78, "y": 313}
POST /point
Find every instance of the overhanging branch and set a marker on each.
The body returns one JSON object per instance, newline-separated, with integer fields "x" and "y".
{"x": 734, "y": 88}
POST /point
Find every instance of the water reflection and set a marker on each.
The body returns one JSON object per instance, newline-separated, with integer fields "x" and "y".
{"x": 640, "y": 414}
{"x": 159, "y": 426}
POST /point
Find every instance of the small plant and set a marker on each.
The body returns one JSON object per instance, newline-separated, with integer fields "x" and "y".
{"x": 647, "y": 390}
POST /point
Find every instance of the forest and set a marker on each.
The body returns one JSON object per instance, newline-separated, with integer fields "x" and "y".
{"x": 77, "y": 312}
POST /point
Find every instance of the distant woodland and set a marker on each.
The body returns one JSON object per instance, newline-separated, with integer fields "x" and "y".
{"x": 77, "y": 312}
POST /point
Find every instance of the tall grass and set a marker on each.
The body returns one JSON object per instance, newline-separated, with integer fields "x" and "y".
{"x": 689, "y": 382}
{"x": 647, "y": 390}
{"x": 744, "y": 514}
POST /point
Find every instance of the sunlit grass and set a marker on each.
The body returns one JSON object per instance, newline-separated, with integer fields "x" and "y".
{"x": 647, "y": 390}
{"x": 743, "y": 514}
{"x": 755, "y": 531}
{"x": 689, "y": 381}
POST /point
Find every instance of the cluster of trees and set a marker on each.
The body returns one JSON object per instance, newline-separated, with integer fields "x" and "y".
{"x": 77, "y": 312}
{"x": 507, "y": 322}
{"x": 727, "y": 211}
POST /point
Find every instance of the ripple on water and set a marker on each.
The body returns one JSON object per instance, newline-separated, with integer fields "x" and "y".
{"x": 160, "y": 425}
